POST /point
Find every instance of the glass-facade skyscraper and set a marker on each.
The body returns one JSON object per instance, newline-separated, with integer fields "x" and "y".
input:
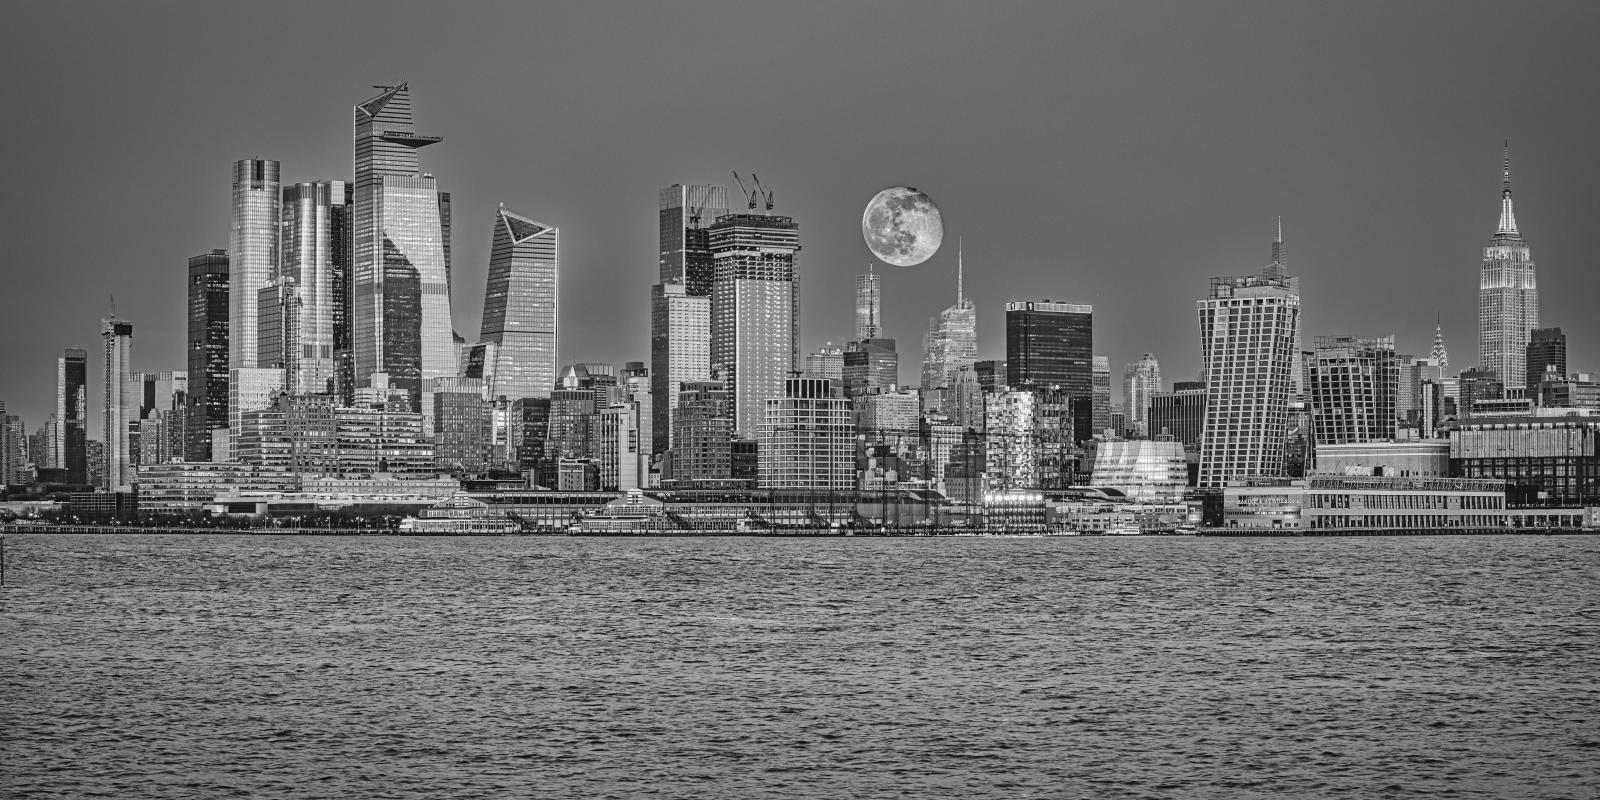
{"x": 521, "y": 308}
{"x": 1140, "y": 380}
{"x": 755, "y": 309}
{"x": 1355, "y": 388}
{"x": 253, "y": 254}
{"x": 1508, "y": 295}
{"x": 116, "y": 337}
{"x": 952, "y": 341}
{"x": 680, "y": 353}
{"x": 208, "y": 354}
{"x": 1050, "y": 344}
{"x": 399, "y": 286}
{"x": 72, "y": 415}
{"x": 315, "y": 256}
{"x": 687, "y": 213}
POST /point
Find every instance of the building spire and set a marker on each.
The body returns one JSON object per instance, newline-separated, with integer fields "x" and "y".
{"x": 1508, "y": 218}
{"x": 961, "y": 296}
{"x": 1439, "y": 355}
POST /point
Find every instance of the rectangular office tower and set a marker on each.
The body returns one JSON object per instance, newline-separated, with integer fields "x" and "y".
{"x": 1547, "y": 358}
{"x": 1050, "y": 344}
{"x": 807, "y": 439}
{"x": 116, "y": 337}
{"x": 521, "y": 308}
{"x": 253, "y": 238}
{"x": 680, "y": 353}
{"x": 687, "y": 213}
{"x": 208, "y": 354}
{"x": 315, "y": 260}
{"x": 399, "y": 284}
{"x": 1508, "y": 295}
{"x": 1354, "y": 390}
{"x": 72, "y": 415}
{"x": 1247, "y": 335}
{"x": 755, "y": 323}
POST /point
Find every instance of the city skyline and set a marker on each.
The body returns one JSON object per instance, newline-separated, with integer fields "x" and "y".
{"x": 1421, "y": 195}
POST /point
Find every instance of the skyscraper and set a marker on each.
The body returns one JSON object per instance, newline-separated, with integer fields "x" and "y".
{"x": 1354, "y": 390}
{"x": 1547, "y": 357}
{"x": 871, "y": 365}
{"x": 400, "y": 290}
{"x": 1508, "y": 295}
{"x": 521, "y": 307}
{"x": 754, "y": 310}
{"x": 253, "y": 254}
{"x": 208, "y": 353}
{"x": 116, "y": 338}
{"x": 807, "y": 438}
{"x": 1140, "y": 380}
{"x": 315, "y": 253}
{"x": 1439, "y": 354}
{"x": 869, "y": 306}
{"x": 1100, "y": 409}
{"x": 687, "y": 213}
{"x": 1050, "y": 344}
{"x": 72, "y": 414}
{"x": 680, "y": 353}
{"x": 1248, "y": 326}
{"x": 952, "y": 341}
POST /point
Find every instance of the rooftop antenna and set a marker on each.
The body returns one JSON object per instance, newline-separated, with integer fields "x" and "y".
{"x": 744, "y": 189}
{"x": 961, "y": 295}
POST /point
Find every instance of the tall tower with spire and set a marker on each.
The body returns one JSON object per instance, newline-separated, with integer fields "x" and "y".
{"x": 1439, "y": 355}
{"x": 1279, "y": 268}
{"x": 952, "y": 340}
{"x": 1508, "y": 294}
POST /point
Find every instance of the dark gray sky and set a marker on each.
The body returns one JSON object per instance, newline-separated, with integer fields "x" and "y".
{"x": 1114, "y": 154}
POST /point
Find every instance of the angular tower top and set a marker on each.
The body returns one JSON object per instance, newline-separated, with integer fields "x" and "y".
{"x": 521, "y": 229}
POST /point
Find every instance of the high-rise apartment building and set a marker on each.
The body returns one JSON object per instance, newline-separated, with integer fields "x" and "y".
{"x": 1100, "y": 398}
{"x": 1354, "y": 390}
{"x": 755, "y": 307}
{"x": 680, "y": 353}
{"x": 807, "y": 439}
{"x": 952, "y": 340}
{"x": 1011, "y": 445}
{"x": 702, "y": 442}
{"x": 208, "y": 353}
{"x": 461, "y": 425}
{"x": 1050, "y": 344}
{"x": 1546, "y": 359}
{"x": 521, "y": 307}
{"x": 1508, "y": 295}
{"x": 399, "y": 284}
{"x": 253, "y": 241}
{"x": 869, "y": 306}
{"x": 13, "y": 447}
{"x": 315, "y": 246}
{"x": 826, "y": 364}
{"x": 116, "y": 337}
{"x": 72, "y": 415}
{"x": 1248, "y": 326}
{"x": 1140, "y": 380}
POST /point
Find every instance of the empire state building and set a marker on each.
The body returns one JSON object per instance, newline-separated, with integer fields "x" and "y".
{"x": 1508, "y": 296}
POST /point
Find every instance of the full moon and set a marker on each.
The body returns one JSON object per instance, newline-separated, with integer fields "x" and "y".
{"x": 902, "y": 226}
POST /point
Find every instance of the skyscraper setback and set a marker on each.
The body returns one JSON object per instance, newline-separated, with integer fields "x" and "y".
{"x": 1508, "y": 295}
{"x": 680, "y": 305}
{"x": 400, "y": 292}
{"x": 521, "y": 307}
{"x": 253, "y": 239}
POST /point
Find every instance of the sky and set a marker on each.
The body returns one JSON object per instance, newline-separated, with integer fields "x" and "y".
{"x": 1117, "y": 154}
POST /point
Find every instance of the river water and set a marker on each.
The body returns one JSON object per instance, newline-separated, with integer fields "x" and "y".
{"x": 217, "y": 666}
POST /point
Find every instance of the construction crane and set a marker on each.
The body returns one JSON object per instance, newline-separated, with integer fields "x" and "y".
{"x": 694, "y": 215}
{"x": 749, "y": 194}
{"x": 763, "y": 191}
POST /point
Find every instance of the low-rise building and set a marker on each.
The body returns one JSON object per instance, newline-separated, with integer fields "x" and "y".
{"x": 1334, "y": 504}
